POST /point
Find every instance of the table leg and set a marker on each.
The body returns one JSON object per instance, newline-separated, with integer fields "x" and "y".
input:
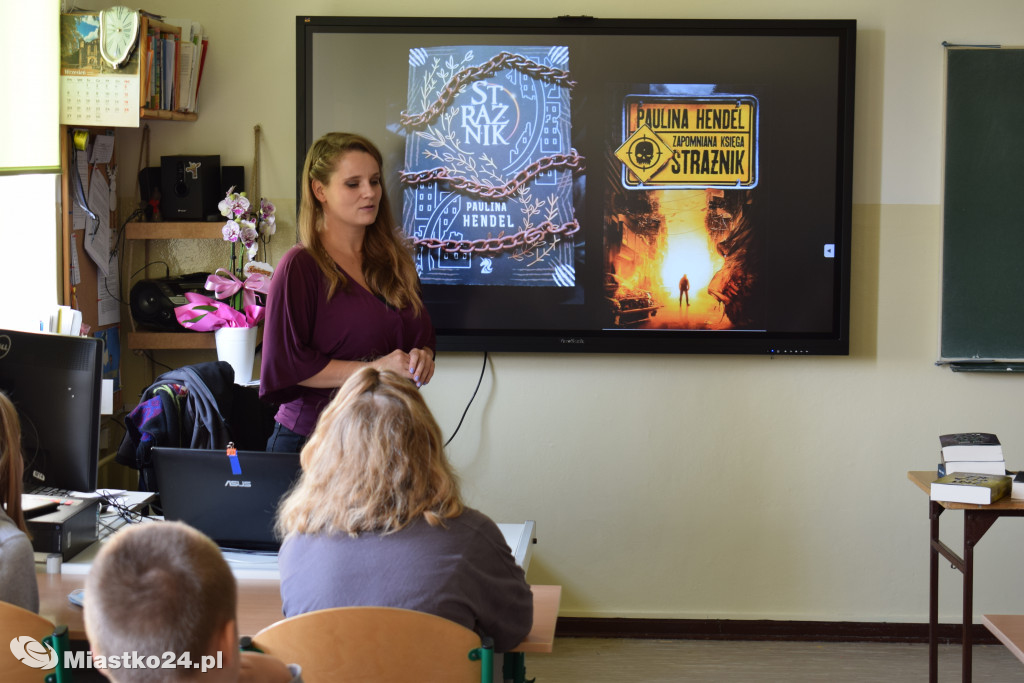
{"x": 976, "y": 523}
{"x": 965, "y": 658}
{"x": 514, "y": 667}
{"x": 935, "y": 509}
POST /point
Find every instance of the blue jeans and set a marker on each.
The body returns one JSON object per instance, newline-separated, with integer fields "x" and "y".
{"x": 284, "y": 440}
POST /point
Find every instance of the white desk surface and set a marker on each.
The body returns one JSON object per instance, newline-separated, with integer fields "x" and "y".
{"x": 261, "y": 565}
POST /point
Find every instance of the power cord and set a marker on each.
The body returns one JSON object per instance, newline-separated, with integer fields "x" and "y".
{"x": 478, "y": 381}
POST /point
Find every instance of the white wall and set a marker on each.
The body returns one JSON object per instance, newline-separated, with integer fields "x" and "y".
{"x": 704, "y": 486}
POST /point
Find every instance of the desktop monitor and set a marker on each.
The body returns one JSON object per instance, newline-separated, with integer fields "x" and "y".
{"x": 55, "y": 383}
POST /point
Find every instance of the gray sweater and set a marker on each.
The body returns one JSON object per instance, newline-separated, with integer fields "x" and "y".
{"x": 465, "y": 573}
{"x": 17, "y": 566}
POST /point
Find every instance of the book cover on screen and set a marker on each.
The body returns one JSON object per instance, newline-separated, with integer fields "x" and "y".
{"x": 684, "y": 231}
{"x": 970, "y": 487}
{"x": 489, "y": 166}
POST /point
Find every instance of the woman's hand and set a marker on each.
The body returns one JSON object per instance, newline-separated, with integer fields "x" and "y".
{"x": 417, "y": 365}
{"x": 421, "y": 365}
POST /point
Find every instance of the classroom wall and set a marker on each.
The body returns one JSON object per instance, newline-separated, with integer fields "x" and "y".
{"x": 698, "y": 486}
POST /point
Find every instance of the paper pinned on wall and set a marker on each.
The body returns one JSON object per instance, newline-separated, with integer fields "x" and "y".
{"x": 75, "y": 274}
{"x": 78, "y": 217}
{"x": 102, "y": 149}
{"x": 97, "y": 236}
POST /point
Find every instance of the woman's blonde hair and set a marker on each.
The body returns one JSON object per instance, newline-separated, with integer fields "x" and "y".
{"x": 375, "y": 462}
{"x": 388, "y": 267}
{"x": 11, "y": 466}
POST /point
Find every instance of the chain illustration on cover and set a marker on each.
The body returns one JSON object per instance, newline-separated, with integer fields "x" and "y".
{"x": 572, "y": 161}
{"x": 476, "y": 73}
{"x": 478, "y": 176}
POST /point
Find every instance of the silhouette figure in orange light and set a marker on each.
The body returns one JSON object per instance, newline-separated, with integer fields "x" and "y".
{"x": 684, "y": 290}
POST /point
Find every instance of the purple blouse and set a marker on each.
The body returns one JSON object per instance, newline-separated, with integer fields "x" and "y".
{"x": 304, "y": 331}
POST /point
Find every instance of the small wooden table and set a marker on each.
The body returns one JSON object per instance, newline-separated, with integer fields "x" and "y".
{"x": 977, "y": 520}
{"x": 1009, "y": 629}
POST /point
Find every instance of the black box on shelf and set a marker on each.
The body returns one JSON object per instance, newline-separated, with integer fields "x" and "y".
{"x": 190, "y": 188}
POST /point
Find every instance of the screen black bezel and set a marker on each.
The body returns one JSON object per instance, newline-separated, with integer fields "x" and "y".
{"x": 834, "y": 342}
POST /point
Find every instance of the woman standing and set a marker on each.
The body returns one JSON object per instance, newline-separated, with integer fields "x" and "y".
{"x": 345, "y": 297}
{"x": 17, "y": 562}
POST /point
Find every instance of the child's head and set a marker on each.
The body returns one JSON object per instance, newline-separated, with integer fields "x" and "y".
{"x": 159, "y": 588}
{"x": 11, "y": 466}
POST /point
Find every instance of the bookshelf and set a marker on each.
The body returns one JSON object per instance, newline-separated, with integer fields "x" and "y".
{"x": 165, "y": 115}
{"x": 171, "y": 230}
{"x": 180, "y": 99}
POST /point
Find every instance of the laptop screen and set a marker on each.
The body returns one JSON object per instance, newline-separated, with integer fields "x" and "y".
{"x": 234, "y": 503}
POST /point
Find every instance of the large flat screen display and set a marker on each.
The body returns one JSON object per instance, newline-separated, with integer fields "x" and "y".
{"x": 606, "y": 185}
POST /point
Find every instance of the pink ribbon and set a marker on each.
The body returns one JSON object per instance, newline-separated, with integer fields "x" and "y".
{"x": 224, "y": 286}
{"x": 203, "y": 314}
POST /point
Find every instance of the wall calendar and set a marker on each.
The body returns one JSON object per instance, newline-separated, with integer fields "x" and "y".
{"x": 91, "y": 92}
{"x": 99, "y": 100}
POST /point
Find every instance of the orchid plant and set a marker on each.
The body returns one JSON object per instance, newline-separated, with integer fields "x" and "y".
{"x": 239, "y": 292}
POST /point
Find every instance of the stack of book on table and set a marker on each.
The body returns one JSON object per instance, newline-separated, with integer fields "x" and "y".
{"x": 972, "y": 469}
{"x": 971, "y": 452}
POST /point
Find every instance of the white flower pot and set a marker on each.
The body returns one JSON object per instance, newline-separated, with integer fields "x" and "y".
{"x": 237, "y": 346}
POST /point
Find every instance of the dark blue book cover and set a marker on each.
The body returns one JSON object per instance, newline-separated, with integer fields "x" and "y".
{"x": 489, "y": 165}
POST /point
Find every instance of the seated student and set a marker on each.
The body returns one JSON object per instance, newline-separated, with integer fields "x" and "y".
{"x": 164, "y": 587}
{"x": 376, "y": 519}
{"x": 17, "y": 563}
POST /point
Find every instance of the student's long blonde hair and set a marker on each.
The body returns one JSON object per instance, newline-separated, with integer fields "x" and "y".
{"x": 375, "y": 462}
{"x": 11, "y": 466}
{"x": 388, "y": 267}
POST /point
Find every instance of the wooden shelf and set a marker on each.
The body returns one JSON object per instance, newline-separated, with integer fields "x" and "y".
{"x": 171, "y": 340}
{"x": 177, "y": 340}
{"x": 170, "y": 230}
{"x": 167, "y": 115}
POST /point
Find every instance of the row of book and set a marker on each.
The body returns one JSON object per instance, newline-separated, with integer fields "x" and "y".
{"x": 174, "y": 58}
{"x": 972, "y": 469}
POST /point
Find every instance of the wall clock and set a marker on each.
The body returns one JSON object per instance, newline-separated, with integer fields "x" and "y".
{"x": 119, "y": 32}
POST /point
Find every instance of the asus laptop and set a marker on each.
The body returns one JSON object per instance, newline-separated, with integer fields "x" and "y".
{"x": 234, "y": 503}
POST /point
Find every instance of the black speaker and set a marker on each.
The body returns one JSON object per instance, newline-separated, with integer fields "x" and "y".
{"x": 152, "y": 302}
{"x": 149, "y": 192}
{"x": 232, "y": 176}
{"x": 190, "y": 188}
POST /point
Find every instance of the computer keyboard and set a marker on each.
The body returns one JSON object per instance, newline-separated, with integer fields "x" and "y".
{"x": 58, "y": 493}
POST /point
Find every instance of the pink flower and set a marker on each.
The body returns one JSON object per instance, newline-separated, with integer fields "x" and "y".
{"x": 241, "y": 290}
{"x": 230, "y": 231}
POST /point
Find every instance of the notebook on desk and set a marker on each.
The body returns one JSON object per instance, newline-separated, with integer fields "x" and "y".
{"x": 232, "y": 503}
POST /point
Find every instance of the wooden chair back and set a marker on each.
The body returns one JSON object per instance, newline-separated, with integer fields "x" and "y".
{"x": 16, "y": 622}
{"x": 379, "y": 644}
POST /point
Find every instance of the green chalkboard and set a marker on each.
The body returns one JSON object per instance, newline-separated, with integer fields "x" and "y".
{"x": 983, "y": 206}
